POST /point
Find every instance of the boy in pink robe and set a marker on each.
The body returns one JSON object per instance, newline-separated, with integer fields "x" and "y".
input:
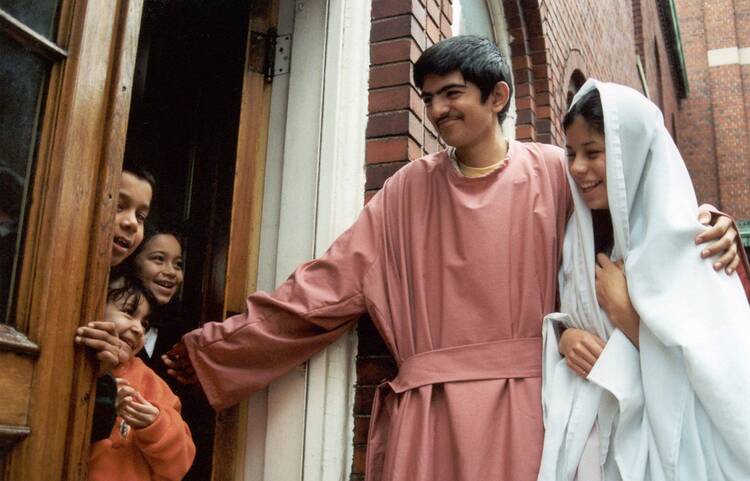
{"x": 457, "y": 272}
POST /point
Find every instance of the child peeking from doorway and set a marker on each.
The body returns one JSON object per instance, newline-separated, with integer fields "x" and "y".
{"x": 149, "y": 440}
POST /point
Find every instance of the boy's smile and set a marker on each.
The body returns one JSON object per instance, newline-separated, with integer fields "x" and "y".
{"x": 129, "y": 315}
{"x": 455, "y": 108}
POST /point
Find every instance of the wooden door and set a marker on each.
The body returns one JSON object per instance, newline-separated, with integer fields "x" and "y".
{"x": 198, "y": 122}
{"x": 65, "y": 79}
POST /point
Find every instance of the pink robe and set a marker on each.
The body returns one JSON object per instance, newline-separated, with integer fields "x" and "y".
{"x": 457, "y": 274}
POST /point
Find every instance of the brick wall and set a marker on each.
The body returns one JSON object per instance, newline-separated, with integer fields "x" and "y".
{"x": 713, "y": 124}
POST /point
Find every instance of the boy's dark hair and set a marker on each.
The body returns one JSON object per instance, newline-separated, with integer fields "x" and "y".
{"x": 478, "y": 59}
{"x": 589, "y": 106}
{"x": 130, "y": 291}
{"x": 141, "y": 174}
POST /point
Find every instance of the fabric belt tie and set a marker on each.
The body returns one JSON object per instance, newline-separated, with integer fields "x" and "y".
{"x": 504, "y": 359}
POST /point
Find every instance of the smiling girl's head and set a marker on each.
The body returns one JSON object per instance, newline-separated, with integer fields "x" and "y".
{"x": 158, "y": 264}
{"x": 584, "y": 129}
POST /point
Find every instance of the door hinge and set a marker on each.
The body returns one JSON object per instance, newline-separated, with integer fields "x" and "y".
{"x": 270, "y": 53}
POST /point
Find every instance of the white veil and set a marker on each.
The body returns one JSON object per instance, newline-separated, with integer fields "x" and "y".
{"x": 678, "y": 408}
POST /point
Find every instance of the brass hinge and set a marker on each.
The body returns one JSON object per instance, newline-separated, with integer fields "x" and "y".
{"x": 270, "y": 53}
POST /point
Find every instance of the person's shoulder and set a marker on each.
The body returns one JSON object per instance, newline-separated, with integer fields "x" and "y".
{"x": 415, "y": 172}
{"x": 538, "y": 150}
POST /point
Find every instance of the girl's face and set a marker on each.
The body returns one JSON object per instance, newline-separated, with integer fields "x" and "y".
{"x": 129, "y": 315}
{"x": 159, "y": 266}
{"x": 588, "y": 163}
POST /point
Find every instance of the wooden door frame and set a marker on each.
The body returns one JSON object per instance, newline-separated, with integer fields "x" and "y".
{"x": 67, "y": 246}
{"x": 245, "y": 225}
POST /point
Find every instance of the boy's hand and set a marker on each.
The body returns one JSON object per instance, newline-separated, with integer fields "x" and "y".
{"x": 581, "y": 350}
{"x": 179, "y": 365}
{"x": 102, "y": 337}
{"x": 724, "y": 235}
{"x": 133, "y": 408}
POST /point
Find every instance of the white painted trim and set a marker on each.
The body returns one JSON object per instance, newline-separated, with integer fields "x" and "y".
{"x": 729, "y": 56}
{"x": 502, "y": 39}
{"x": 301, "y": 427}
{"x": 723, "y": 56}
{"x": 332, "y": 374}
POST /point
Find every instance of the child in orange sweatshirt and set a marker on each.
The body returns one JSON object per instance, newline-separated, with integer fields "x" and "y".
{"x": 149, "y": 441}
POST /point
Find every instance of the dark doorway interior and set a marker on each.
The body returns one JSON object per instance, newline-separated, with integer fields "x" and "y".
{"x": 183, "y": 128}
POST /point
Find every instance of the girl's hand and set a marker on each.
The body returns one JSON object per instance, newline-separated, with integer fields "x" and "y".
{"x": 134, "y": 409}
{"x": 581, "y": 350}
{"x": 101, "y": 337}
{"x": 613, "y": 297}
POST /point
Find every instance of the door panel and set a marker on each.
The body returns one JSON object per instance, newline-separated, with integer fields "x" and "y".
{"x": 59, "y": 281}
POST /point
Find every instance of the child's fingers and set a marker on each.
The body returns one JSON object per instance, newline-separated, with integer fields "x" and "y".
{"x": 122, "y": 382}
{"x": 106, "y": 326}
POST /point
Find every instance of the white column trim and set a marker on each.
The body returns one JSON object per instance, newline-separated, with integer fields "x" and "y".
{"x": 729, "y": 56}
{"x": 331, "y": 377}
{"x": 302, "y": 426}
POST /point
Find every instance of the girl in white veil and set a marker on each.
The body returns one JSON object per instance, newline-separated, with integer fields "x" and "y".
{"x": 655, "y": 379}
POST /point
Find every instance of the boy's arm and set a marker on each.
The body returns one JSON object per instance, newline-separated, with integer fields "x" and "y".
{"x": 314, "y": 307}
{"x": 167, "y": 444}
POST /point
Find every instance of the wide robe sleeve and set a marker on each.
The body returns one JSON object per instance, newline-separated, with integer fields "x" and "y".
{"x": 280, "y": 330}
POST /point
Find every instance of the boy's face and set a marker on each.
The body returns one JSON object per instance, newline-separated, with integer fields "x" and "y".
{"x": 455, "y": 108}
{"x": 130, "y": 320}
{"x": 133, "y": 202}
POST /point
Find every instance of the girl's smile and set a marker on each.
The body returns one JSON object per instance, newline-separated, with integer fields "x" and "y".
{"x": 587, "y": 162}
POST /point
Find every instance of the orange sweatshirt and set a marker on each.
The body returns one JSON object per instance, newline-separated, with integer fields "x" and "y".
{"x": 162, "y": 451}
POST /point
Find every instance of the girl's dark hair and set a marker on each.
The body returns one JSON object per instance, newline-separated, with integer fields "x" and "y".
{"x": 149, "y": 232}
{"x": 479, "y": 60}
{"x": 589, "y": 106}
{"x": 130, "y": 291}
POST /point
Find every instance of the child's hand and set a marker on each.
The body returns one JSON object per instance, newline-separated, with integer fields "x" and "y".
{"x": 581, "y": 350}
{"x": 101, "y": 337}
{"x": 179, "y": 365}
{"x": 133, "y": 408}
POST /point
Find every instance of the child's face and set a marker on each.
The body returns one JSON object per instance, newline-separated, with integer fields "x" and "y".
{"x": 159, "y": 266}
{"x": 455, "y": 108}
{"x": 588, "y": 163}
{"x": 130, "y": 320}
{"x": 133, "y": 202}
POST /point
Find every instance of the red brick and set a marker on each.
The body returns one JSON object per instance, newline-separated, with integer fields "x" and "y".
{"x": 389, "y": 28}
{"x": 391, "y": 149}
{"x": 394, "y": 51}
{"x": 433, "y": 10}
{"x": 390, "y": 75}
{"x": 377, "y": 174}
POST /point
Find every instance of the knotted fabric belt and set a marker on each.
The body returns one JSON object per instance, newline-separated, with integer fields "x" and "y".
{"x": 504, "y": 359}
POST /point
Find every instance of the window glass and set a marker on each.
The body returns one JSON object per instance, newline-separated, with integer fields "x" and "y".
{"x": 39, "y": 15}
{"x": 23, "y": 80}
{"x": 470, "y": 17}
